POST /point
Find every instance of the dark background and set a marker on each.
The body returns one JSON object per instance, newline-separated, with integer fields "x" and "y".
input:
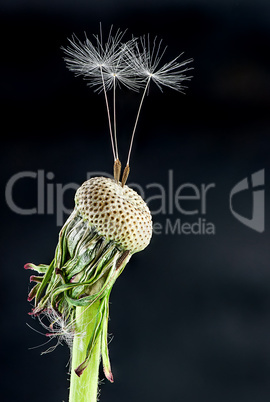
{"x": 190, "y": 316}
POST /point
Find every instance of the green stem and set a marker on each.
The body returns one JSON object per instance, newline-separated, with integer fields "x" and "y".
{"x": 85, "y": 387}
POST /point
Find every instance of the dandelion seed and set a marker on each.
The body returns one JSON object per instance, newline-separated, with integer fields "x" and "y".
{"x": 104, "y": 66}
{"x": 86, "y": 58}
{"x": 101, "y": 65}
{"x": 116, "y": 72}
{"x": 144, "y": 59}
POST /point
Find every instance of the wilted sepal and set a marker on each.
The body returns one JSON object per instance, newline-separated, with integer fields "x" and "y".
{"x": 101, "y": 330}
{"x": 42, "y": 268}
{"x": 33, "y": 292}
{"x": 93, "y": 340}
{"x": 104, "y": 343}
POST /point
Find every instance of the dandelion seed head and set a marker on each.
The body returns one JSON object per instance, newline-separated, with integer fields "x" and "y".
{"x": 120, "y": 213}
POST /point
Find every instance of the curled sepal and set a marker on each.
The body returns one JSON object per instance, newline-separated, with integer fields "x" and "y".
{"x": 44, "y": 282}
{"x": 42, "y": 268}
{"x": 37, "y": 279}
{"x": 33, "y": 292}
{"x": 104, "y": 344}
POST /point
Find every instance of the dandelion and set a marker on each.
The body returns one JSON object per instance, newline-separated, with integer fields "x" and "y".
{"x": 110, "y": 221}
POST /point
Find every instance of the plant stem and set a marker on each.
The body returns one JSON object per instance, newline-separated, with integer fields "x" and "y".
{"x": 85, "y": 387}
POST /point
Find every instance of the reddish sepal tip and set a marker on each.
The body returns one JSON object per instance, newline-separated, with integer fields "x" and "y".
{"x": 109, "y": 377}
{"x": 79, "y": 371}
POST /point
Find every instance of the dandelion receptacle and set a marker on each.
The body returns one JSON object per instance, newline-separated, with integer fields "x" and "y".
{"x": 110, "y": 221}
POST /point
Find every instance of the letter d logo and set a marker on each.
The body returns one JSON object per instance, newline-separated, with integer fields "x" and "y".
{"x": 257, "y": 220}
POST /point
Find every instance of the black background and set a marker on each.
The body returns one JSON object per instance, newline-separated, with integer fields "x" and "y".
{"x": 190, "y": 316}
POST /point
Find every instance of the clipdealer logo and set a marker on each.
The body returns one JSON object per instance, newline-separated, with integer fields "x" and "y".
{"x": 257, "y": 221}
{"x": 185, "y": 207}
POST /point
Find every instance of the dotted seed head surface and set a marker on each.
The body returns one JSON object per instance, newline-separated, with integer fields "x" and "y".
{"x": 117, "y": 212}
